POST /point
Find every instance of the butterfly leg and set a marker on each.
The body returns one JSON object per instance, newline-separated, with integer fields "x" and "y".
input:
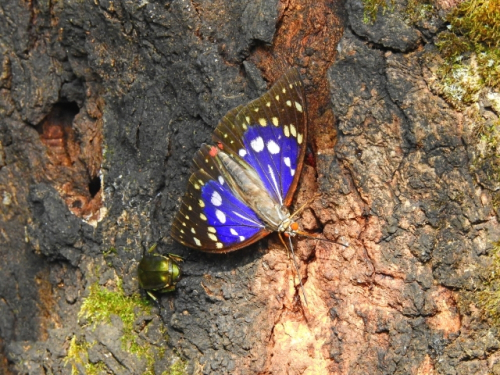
{"x": 294, "y": 261}
{"x": 284, "y": 244}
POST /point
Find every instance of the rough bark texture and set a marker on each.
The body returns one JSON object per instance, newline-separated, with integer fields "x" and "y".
{"x": 102, "y": 106}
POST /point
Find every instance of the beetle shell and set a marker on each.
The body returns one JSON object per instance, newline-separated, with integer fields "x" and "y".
{"x": 159, "y": 273}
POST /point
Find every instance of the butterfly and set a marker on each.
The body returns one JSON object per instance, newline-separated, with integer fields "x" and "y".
{"x": 242, "y": 185}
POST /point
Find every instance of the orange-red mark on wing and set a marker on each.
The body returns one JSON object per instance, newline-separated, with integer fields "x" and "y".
{"x": 213, "y": 151}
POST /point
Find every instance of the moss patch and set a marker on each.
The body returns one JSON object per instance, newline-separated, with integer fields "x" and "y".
{"x": 178, "y": 368}
{"x": 471, "y": 49}
{"x": 102, "y": 303}
{"x": 98, "y": 308}
{"x": 479, "y": 20}
{"x": 419, "y": 10}
{"x": 488, "y": 299}
{"x": 372, "y": 7}
{"x": 77, "y": 358}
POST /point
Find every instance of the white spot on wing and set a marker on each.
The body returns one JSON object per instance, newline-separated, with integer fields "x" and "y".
{"x": 298, "y": 106}
{"x": 257, "y": 144}
{"x": 242, "y": 152}
{"x": 221, "y": 216}
{"x": 242, "y": 238}
{"x": 221, "y": 180}
{"x": 287, "y": 161}
{"x": 233, "y": 232}
{"x": 216, "y": 199}
{"x": 196, "y": 241}
{"x": 292, "y": 172}
{"x": 273, "y": 147}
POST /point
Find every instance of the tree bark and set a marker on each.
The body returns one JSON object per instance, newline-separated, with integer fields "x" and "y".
{"x": 103, "y": 105}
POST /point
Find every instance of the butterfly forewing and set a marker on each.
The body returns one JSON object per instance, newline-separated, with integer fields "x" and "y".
{"x": 267, "y": 139}
{"x": 277, "y": 118}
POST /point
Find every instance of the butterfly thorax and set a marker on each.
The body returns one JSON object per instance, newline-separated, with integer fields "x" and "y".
{"x": 249, "y": 188}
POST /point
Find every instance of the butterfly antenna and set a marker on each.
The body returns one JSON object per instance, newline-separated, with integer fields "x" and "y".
{"x": 295, "y": 265}
{"x": 307, "y": 235}
{"x": 304, "y": 206}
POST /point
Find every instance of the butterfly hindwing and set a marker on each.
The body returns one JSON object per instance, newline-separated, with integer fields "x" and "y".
{"x": 211, "y": 217}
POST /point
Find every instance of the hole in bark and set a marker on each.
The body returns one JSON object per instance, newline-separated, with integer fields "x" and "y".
{"x": 57, "y": 133}
{"x": 61, "y": 115}
{"x": 77, "y": 204}
{"x": 94, "y": 186}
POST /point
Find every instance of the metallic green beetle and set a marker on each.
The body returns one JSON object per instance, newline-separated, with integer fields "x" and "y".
{"x": 158, "y": 273}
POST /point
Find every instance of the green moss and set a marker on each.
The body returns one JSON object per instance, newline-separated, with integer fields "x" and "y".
{"x": 490, "y": 136}
{"x": 97, "y": 308}
{"x": 460, "y": 82}
{"x": 110, "y": 251}
{"x": 419, "y": 10}
{"x": 77, "y": 355}
{"x": 178, "y": 368}
{"x": 479, "y": 20}
{"x": 102, "y": 303}
{"x": 471, "y": 51}
{"x": 470, "y": 46}
{"x": 489, "y": 297}
{"x": 96, "y": 368}
{"x": 371, "y": 8}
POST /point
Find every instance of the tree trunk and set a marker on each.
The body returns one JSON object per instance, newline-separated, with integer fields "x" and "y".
{"x": 103, "y": 105}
